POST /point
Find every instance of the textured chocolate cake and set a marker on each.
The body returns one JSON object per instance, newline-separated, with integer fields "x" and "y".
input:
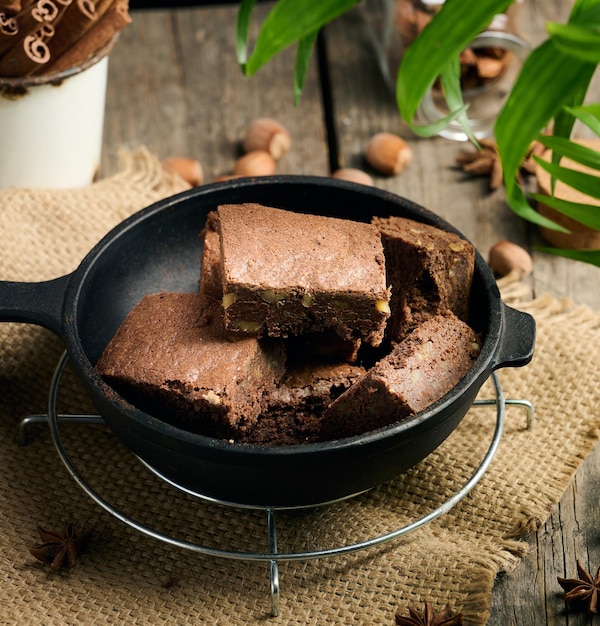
{"x": 173, "y": 358}
{"x": 421, "y": 369}
{"x": 287, "y": 273}
{"x": 296, "y": 405}
{"x": 211, "y": 278}
{"x": 314, "y": 387}
{"x": 430, "y": 270}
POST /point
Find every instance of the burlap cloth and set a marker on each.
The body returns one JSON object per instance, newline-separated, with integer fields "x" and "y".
{"x": 126, "y": 577}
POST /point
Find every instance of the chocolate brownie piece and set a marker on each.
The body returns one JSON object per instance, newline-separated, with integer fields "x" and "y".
{"x": 430, "y": 270}
{"x": 211, "y": 279}
{"x": 295, "y": 407}
{"x": 421, "y": 369}
{"x": 173, "y": 358}
{"x": 287, "y": 273}
{"x": 314, "y": 387}
{"x": 282, "y": 427}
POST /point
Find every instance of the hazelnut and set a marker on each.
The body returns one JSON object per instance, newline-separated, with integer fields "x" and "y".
{"x": 185, "y": 167}
{"x": 225, "y": 177}
{"x": 269, "y": 135}
{"x": 506, "y": 257}
{"x": 255, "y": 163}
{"x": 353, "y": 175}
{"x": 388, "y": 153}
{"x": 490, "y": 68}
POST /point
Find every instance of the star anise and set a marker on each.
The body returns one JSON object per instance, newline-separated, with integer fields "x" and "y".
{"x": 483, "y": 162}
{"x": 59, "y": 550}
{"x": 429, "y": 618}
{"x": 486, "y": 161}
{"x": 581, "y": 592}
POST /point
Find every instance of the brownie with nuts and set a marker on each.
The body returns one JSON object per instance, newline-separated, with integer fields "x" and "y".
{"x": 211, "y": 279}
{"x": 314, "y": 386}
{"x": 173, "y": 358}
{"x": 296, "y": 405}
{"x": 288, "y": 273}
{"x": 418, "y": 371}
{"x": 429, "y": 270}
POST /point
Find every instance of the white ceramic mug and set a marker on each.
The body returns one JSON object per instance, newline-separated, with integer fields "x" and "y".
{"x": 52, "y": 126}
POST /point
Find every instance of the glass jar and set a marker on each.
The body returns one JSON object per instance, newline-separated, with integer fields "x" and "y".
{"x": 489, "y": 65}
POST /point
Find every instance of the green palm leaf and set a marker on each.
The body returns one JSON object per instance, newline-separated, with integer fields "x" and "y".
{"x": 288, "y": 22}
{"x": 586, "y": 256}
{"x": 243, "y": 27}
{"x": 303, "y": 55}
{"x": 577, "y": 41}
{"x": 587, "y": 214}
{"x": 588, "y": 114}
{"x": 572, "y": 150}
{"x": 551, "y": 72}
{"x": 585, "y": 183}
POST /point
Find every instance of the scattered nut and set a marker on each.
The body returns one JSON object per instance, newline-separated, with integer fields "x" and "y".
{"x": 185, "y": 167}
{"x": 388, "y": 153}
{"x": 506, "y": 257}
{"x": 269, "y": 135}
{"x": 255, "y": 163}
{"x": 225, "y": 177}
{"x": 353, "y": 175}
{"x": 490, "y": 68}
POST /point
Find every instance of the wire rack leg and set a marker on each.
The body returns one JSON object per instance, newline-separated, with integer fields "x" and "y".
{"x": 42, "y": 418}
{"x": 273, "y": 565}
{"x": 525, "y": 404}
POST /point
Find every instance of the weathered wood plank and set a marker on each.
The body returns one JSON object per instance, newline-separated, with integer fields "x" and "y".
{"x": 175, "y": 87}
{"x": 531, "y": 592}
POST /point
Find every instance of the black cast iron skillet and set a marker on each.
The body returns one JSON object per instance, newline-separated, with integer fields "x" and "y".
{"x": 158, "y": 249}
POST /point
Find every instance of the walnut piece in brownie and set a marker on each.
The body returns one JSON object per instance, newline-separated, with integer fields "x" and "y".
{"x": 173, "y": 358}
{"x": 430, "y": 270}
{"x": 421, "y": 369}
{"x": 288, "y": 273}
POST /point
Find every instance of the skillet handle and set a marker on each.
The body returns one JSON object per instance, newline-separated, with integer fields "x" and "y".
{"x": 517, "y": 340}
{"x": 34, "y": 303}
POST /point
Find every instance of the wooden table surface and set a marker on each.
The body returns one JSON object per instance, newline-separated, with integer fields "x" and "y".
{"x": 175, "y": 87}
